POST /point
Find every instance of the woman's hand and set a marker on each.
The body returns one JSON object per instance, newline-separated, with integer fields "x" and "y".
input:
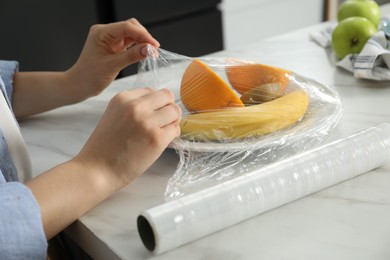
{"x": 133, "y": 132}
{"x": 135, "y": 129}
{"x": 108, "y": 49}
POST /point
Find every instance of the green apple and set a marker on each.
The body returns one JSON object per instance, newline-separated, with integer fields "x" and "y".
{"x": 364, "y": 8}
{"x": 350, "y": 35}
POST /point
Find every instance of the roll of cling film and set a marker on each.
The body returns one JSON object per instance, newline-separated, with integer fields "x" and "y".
{"x": 199, "y": 214}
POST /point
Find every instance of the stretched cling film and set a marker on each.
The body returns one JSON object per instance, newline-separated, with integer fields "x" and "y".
{"x": 238, "y": 115}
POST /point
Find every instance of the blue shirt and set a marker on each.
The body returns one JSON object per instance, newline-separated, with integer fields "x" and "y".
{"x": 21, "y": 230}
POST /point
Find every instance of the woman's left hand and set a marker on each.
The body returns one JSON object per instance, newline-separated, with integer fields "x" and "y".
{"x": 108, "y": 49}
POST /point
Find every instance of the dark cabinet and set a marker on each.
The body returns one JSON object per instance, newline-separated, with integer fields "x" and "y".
{"x": 157, "y": 11}
{"x": 191, "y": 28}
{"x": 49, "y": 34}
{"x": 44, "y": 34}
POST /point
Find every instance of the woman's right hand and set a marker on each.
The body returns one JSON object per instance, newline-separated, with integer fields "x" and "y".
{"x": 133, "y": 132}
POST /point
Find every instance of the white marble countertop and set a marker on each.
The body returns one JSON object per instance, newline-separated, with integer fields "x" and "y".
{"x": 350, "y": 220}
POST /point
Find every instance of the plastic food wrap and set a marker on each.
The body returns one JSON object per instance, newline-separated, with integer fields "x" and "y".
{"x": 193, "y": 216}
{"x": 238, "y": 115}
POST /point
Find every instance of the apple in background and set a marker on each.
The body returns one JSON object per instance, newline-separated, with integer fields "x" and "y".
{"x": 364, "y": 8}
{"x": 350, "y": 35}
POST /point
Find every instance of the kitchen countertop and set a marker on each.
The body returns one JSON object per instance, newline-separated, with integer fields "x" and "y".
{"x": 346, "y": 221}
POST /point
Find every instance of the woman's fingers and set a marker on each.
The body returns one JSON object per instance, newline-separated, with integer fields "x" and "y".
{"x": 130, "y": 30}
{"x": 159, "y": 98}
{"x": 138, "y": 93}
{"x": 167, "y": 115}
{"x": 141, "y": 35}
{"x": 130, "y": 56}
{"x": 157, "y": 106}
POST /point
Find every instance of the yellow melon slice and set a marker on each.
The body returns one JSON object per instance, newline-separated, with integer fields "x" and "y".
{"x": 202, "y": 89}
{"x": 243, "y": 77}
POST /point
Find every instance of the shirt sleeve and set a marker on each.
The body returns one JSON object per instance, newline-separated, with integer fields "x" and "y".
{"x": 21, "y": 230}
{"x": 7, "y": 71}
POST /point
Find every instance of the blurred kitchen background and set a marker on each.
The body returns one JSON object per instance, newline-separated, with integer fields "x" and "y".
{"x": 49, "y": 34}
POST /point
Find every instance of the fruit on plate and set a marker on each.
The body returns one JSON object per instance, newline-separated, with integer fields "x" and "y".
{"x": 245, "y": 76}
{"x": 202, "y": 89}
{"x": 368, "y": 9}
{"x": 261, "y": 94}
{"x": 250, "y": 121}
{"x": 350, "y": 35}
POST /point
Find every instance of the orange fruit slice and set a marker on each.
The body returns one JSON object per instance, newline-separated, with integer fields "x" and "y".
{"x": 243, "y": 77}
{"x": 202, "y": 89}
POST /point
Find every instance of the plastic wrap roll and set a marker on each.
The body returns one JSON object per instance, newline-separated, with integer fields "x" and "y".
{"x": 181, "y": 221}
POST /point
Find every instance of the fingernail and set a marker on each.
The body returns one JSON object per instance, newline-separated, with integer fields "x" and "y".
{"x": 144, "y": 50}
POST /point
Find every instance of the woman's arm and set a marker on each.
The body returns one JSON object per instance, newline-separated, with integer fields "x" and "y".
{"x": 37, "y": 92}
{"x": 108, "y": 49}
{"x": 135, "y": 129}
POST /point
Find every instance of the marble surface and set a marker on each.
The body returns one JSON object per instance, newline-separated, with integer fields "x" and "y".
{"x": 347, "y": 221}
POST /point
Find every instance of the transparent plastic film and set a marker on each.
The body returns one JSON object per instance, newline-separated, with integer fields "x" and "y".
{"x": 177, "y": 222}
{"x": 238, "y": 115}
